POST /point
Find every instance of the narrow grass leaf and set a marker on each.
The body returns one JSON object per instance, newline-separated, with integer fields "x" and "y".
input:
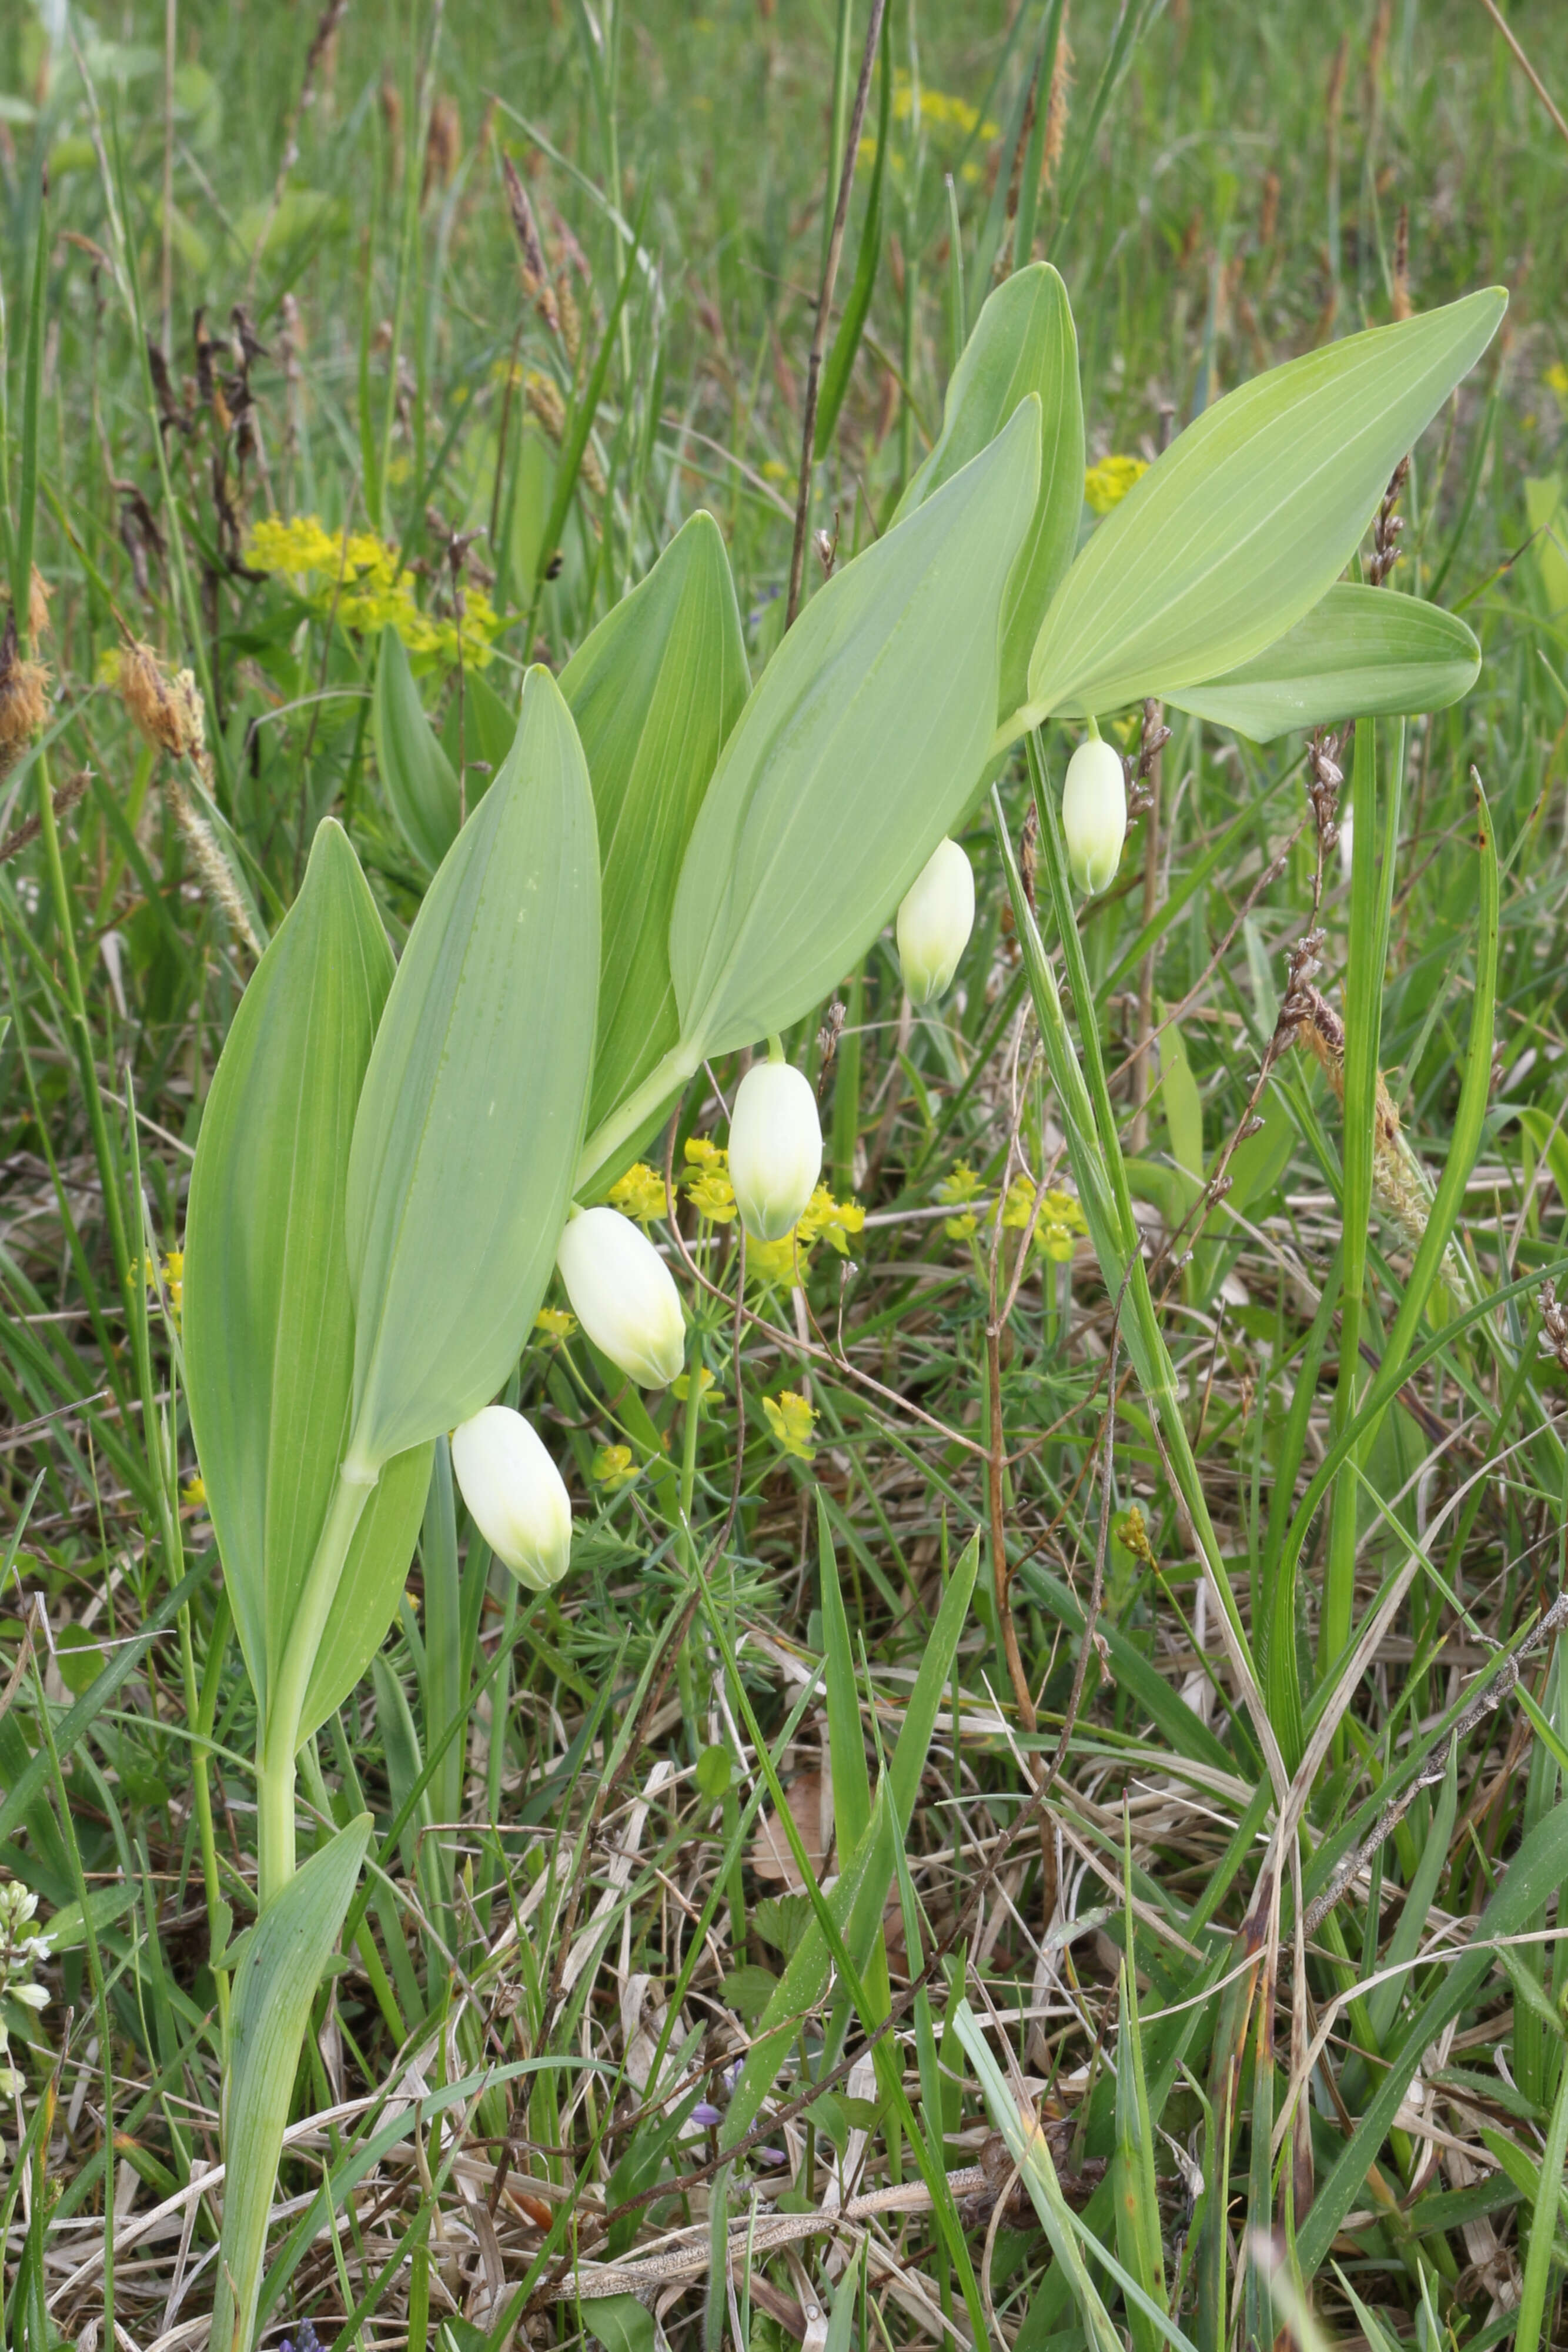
{"x": 417, "y": 775}
{"x": 1537, "y": 1868}
{"x": 846, "y": 342}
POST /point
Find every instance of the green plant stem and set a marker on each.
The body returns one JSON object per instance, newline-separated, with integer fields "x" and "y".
{"x": 643, "y": 1104}
{"x": 279, "y": 1741}
{"x": 199, "y": 1708}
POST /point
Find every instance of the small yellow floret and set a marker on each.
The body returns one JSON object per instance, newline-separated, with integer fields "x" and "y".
{"x": 639, "y": 1193}
{"x": 1107, "y": 484}
{"x": 613, "y": 1467}
{"x": 791, "y": 1419}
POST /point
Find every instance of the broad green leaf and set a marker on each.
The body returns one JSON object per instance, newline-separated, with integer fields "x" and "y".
{"x": 268, "y": 1320}
{"x": 654, "y": 691}
{"x": 1023, "y": 342}
{"x": 463, "y": 1150}
{"x": 618, "y": 2322}
{"x": 858, "y": 750}
{"x": 1363, "y": 651}
{"x": 1182, "y": 1103}
{"x": 533, "y": 488}
{"x": 415, "y": 769}
{"x": 488, "y": 726}
{"x": 274, "y": 1987}
{"x": 1548, "y": 520}
{"x": 1245, "y": 522}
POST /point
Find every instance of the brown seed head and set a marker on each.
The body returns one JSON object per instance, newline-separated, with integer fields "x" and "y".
{"x": 38, "y": 594}
{"x": 166, "y": 712}
{"x": 1058, "y": 104}
{"x": 24, "y": 696}
{"x": 443, "y": 145}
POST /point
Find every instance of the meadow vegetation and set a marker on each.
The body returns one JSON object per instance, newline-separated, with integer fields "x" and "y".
{"x": 1190, "y": 1970}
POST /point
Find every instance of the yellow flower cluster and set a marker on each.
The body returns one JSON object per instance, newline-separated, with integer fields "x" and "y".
{"x": 940, "y": 112}
{"x": 1061, "y": 1218}
{"x": 613, "y": 1468}
{"x": 360, "y": 580}
{"x": 709, "y": 1189}
{"x": 708, "y": 1387}
{"x": 1107, "y": 484}
{"x": 639, "y": 1193}
{"x": 791, "y": 1419}
{"x": 1556, "y": 380}
{"x": 174, "y": 1279}
{"x": 555, "y": 1322}
{"x": 959, "y": 1186}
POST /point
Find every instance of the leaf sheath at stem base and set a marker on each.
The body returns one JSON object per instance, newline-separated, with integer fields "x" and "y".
{"x": 279, "y": 1739}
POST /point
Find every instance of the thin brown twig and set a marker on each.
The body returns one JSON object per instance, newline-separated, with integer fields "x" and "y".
{"x": 1537, "y": 85}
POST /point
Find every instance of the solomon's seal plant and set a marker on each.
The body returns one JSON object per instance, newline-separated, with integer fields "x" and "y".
{"x": 1094, "y": 814}
{"x": 624, "y": 1294}
{"x": 516, "y": 1495}
{"x": 934, "y": 922}
{"x": 672, "y": 864}
{"x": 774, "y": 1148}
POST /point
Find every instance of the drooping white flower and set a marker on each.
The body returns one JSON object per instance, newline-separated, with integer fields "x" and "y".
{"x": 934, "y": 922}
{"x": 1094, "y": 814}
{"x": 516, "y": 1495}
{"x": 774, "y": 1148}
{"x": 624, "y": 1294}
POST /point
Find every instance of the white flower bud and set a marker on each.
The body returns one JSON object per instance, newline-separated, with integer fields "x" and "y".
{"x": 515, "y": 1495}
{"x": 774, "y": 1148}
{"x": 1094, "y": 814}
{"x": 934, "y": 922}
{"x": 624, "y": 1294}
{"x": 31, "y": 1996}
{"x": 1347, "y": 843}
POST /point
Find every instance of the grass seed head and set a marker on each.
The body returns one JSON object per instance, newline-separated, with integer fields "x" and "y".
{"x": 165, "y": 711}
{"x": 23, "y": 697}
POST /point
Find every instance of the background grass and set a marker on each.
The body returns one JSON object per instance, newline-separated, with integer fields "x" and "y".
{"x": 535, "y": 1768}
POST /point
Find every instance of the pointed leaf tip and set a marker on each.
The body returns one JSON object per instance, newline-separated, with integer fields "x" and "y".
{"x": 1238, "y": 530}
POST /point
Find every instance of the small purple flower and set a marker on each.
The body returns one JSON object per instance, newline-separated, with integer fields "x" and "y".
{"x": 771, "y": 2155}
{"x": 306, "y": 2341}
{"x": 705, "y": 2115}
